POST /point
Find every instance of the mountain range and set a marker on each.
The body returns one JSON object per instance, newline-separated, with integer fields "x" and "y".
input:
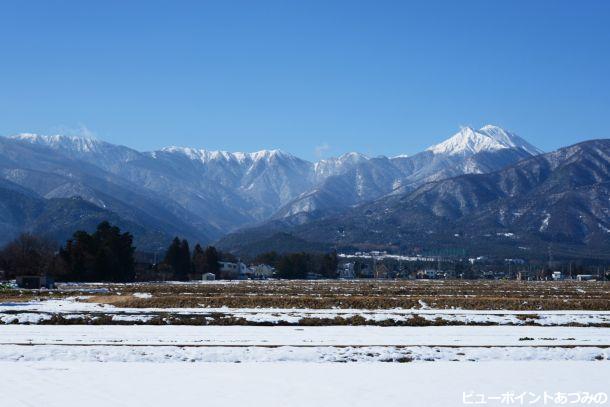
{"x": 557, "y": 202}
{"x": 56, "y": 184}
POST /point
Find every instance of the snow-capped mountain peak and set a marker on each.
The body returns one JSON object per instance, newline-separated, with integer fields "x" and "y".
{"x": 220, "y": 155}
{"x": 509, "y": 139}
{"x": 61, "y": 142}
{"x": 489, "y": 138}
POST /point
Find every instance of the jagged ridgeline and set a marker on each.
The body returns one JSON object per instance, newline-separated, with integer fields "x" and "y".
{"x": 57, "y": 184}
{"x": 557, "y": 201}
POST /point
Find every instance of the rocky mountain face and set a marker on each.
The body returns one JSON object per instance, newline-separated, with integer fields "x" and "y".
{"x": 203, "y": 195}
{"x": 558, "y": 201}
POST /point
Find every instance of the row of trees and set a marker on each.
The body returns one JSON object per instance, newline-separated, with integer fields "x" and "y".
{"x": 180, "y": 263}
{"x": 28, "y": 254}
{"x": 105, "y": 255}
{"x": 108, "y": 254}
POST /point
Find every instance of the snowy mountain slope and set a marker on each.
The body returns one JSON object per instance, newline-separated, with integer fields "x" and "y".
{"x": 216, "y": 192}
{"x": 50, "y": 174}
{"x": 559, "y": 199}
{"x": 363, "y": 179}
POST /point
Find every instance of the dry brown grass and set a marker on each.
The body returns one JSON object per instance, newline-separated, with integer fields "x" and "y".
{"x": 481, "y": 295}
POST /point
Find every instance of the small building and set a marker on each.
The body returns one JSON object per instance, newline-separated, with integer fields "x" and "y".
{"x": 488, "y": 275}
{"x": 382, "y": 271}
{"x": 35, "y": 282}
{"x": 584, "y": 277}
{"x": 430, "y": 274}
{"x": 262, "y": 271}
{"x": 233, "y": 271}
{"x": 208, "y": 277}
{"x": 557, "y": 276}
{"x": 525, "y": 275}
{"x": 346, "y": 270}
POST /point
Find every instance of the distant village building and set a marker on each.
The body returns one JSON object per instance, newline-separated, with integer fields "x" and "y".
{"x": 382, "y": 271}
{"x": 480, "y": 259}
{"x": 430, "y": 274}
{"x": 233, "y": 271}
{"x": 487, "y": 274}
{"x": 240, "y": 271}
{"x": 515, "y": 261}
{"x": 346, "y": 270}
{"x": 584, "y": 277}
{"x": 557, "y": 275}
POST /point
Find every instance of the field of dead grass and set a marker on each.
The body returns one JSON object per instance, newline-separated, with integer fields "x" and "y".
{"x": 478, "y": 295}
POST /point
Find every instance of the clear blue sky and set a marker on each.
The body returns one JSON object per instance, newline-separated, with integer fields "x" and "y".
{"x": 380, "y": 77}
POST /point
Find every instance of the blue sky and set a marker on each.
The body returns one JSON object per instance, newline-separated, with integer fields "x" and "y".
{"x": 314, "y": 78}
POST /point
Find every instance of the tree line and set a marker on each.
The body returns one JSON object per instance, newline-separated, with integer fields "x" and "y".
{"x": 108, "y": 254}
{"x": 104, "y": 255}
{"x": 182, "y": 265}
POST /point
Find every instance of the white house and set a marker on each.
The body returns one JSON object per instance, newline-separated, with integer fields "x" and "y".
{"x": 233, "y": 271}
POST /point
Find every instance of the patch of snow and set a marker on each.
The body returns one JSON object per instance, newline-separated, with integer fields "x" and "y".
{"x": 545, "y": 222}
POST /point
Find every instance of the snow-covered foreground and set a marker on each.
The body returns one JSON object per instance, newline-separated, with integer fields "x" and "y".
{"x": 443, "y": 384}
{"x": 163, "y": 344}
{"x": 212, "y": 365}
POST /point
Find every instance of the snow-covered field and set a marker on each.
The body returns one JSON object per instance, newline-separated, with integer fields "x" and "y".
{"x": 70, "y": 352}
{"x": 34, "y": 312}
{"x": 303, "y": 336}
{"x": 161, "y": 344}
{"x": 442, "y": 384}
